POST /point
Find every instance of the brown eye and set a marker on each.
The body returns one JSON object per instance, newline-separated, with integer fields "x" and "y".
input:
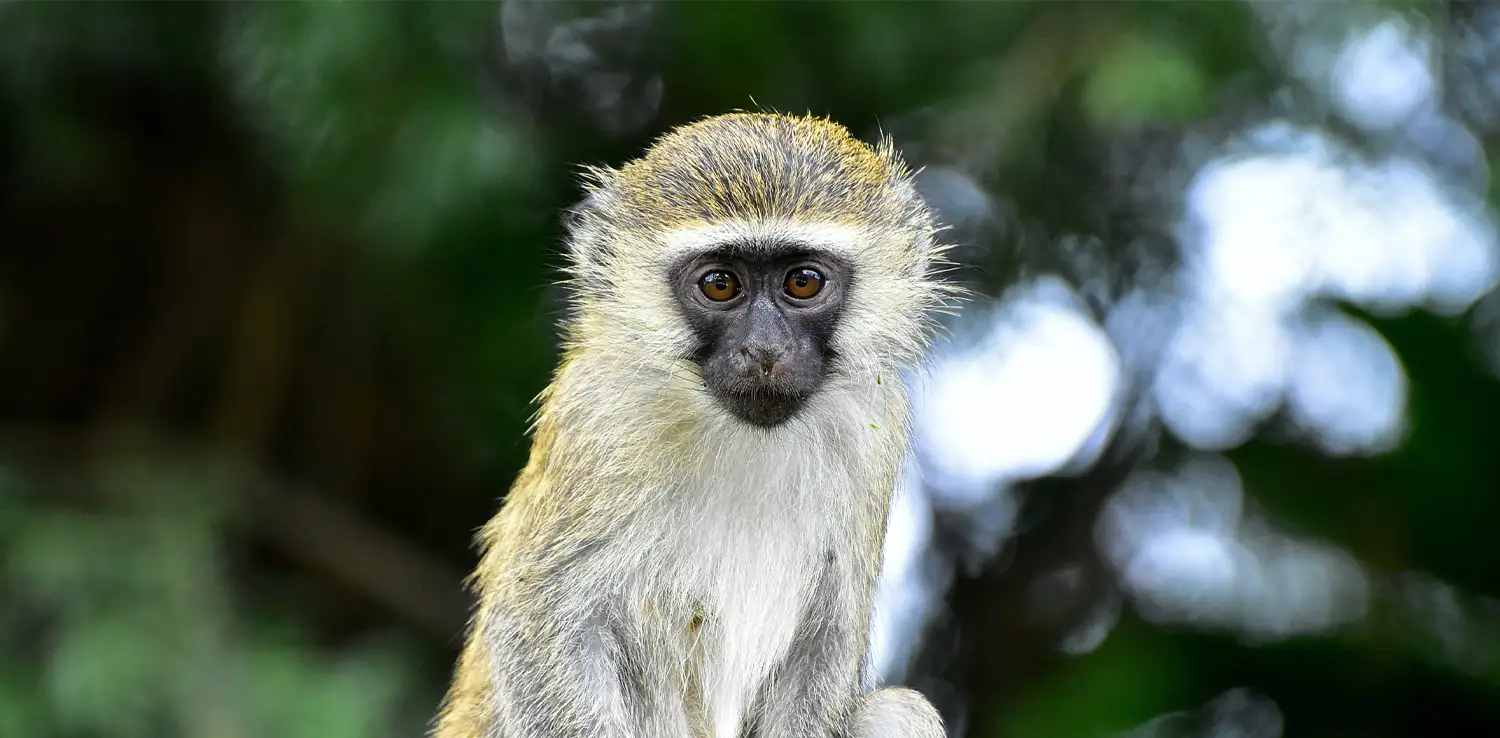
{"x": 719, "y": 286}
{"x": 804, "y": 283}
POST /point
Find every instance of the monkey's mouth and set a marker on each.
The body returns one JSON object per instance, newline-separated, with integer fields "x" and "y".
{"x": 764, "y": 394}
{"x": 764, "y": 407}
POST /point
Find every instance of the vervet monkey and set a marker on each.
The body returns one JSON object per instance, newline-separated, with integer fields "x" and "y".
{"x": 694, "y": 545}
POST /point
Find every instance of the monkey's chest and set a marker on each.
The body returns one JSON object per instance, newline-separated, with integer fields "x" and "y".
{"x": 733, "y": 645}
{"x": 740, "y": 624}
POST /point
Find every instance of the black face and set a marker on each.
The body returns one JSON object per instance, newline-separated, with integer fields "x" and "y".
{"x": 763, "y": 323}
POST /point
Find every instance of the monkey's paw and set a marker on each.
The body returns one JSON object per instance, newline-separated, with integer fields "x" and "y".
{"x": 897, "y": 713}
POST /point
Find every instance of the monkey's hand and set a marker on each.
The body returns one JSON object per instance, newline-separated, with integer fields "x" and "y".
{"x": 896, "y": 713}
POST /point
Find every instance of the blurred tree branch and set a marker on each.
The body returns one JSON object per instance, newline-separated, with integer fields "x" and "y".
{"x": 304, "y": 525}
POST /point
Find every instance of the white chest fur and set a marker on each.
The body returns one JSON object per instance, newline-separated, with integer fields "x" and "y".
{"x": 751, "y": 608}
{"x": 754, "y": 530}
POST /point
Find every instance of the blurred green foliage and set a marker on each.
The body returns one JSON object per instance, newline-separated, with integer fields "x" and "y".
{"x": 119, "y": 622}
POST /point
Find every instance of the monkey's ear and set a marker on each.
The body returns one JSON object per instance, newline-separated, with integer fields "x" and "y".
{"x": 585, "y": 222}
{"x": 578, "y": 217}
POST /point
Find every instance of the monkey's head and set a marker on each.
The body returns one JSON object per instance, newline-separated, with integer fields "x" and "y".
{"x": 757, "y": 260}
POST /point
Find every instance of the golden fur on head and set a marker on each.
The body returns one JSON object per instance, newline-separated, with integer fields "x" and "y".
{"x": 747, "y": 165}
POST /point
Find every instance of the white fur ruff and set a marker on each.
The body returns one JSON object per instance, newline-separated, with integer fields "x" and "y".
{"x": 749, "y": 529}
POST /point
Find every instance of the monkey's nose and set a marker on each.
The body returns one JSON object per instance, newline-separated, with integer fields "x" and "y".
{"x": 760, "y": 359}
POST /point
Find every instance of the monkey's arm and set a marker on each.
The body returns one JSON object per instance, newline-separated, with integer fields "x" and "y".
{"x": 813, "y": 692}
{"x": 543, "y": 658}
{"x": 817, "y": 691}
{"x": 538, "y": 678}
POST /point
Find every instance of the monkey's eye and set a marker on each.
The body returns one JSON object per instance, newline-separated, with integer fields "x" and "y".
{"x": 804, "y": 283}
{"x": 719, "y": 286}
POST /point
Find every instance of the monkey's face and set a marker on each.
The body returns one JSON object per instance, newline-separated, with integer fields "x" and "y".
{"x": 764, "y": 323}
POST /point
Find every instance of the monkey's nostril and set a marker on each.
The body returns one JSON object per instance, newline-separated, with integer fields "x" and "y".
{"x": 759, "y": 360}
{"x": 767, "y": 359}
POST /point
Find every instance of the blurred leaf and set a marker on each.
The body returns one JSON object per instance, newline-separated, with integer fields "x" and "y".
{"x": 445, "y": 158}
{"x": 63, "y": 557}
{"x": 369, "y": 116}
{"x": 297, "y": 696}
{"x": 105, "y": 672}
{"x": 311, "y": 73}
{"x": 20, "y": 705}
{"x": 1143, "y": 79}
{"x": 1125, "y": 682}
